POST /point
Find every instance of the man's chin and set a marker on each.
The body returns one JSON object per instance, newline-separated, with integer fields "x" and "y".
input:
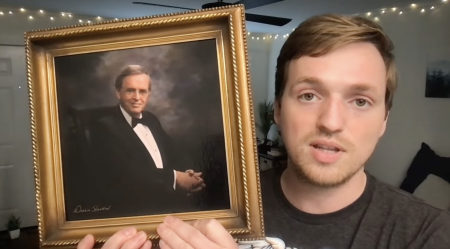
{"x": 324, "y": 176}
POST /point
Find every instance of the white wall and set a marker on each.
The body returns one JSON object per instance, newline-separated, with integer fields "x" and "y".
{"x": 13, "y": 26}
{"x": 259, "y": 57}
{"x": 419, "y": 38}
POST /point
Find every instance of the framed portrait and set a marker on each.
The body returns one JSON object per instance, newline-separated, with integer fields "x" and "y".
{"x": 133, "y": 120}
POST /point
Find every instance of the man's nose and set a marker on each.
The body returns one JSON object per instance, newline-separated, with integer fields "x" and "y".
{"x": 136, "y": 95}
{"x": 332, "y": 116}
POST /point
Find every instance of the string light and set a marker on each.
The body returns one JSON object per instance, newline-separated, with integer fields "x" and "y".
{"x": 413, "y": 7}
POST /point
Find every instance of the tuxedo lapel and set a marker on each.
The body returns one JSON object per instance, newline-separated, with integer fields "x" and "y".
{"x": 160, "y": 137}
{"x": 131, "y": 141}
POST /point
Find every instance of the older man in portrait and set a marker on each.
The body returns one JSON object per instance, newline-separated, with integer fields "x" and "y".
{"x": 136, "y": 169}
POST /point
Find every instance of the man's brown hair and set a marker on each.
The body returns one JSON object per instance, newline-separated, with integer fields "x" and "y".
{"x": 322, "y": 34}
{"x": 128, "y": 71}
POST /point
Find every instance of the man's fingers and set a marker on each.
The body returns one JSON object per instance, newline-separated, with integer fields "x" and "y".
{"x": 163, "y": 245}
{"x": 147, "y": 245}
{"x": 215, "y": 232}
{"x": 171, "y": 239}
{"x": 87, "y": 242}
{"x": 118, "y": 239}
{"x": 136, "y": 241}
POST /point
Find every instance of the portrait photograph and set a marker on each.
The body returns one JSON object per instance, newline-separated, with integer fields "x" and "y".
{"x": 134, "y": 120}
{"x": 135, "y": 124}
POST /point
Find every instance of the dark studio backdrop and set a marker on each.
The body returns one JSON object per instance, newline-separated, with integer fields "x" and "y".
{"x": 185, "y": 96}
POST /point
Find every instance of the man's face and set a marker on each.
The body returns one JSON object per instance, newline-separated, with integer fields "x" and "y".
{"x": 134, "y": 94}
{"x": 332, "y": 113}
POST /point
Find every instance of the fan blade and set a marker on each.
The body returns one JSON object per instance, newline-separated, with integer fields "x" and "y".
{"x": 272, "y": 20}
{"x": 162, "y": 5}
{"x": 250, "y": 4}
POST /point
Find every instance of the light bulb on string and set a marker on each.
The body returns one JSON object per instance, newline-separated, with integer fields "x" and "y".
{"x": 22, "y": 9}
{"x": 401, "y": 12}
{"x": 51, "y": 18}
{"x": 10, "y": 12}
{"x": 41, "y": 11}
{"x": 432, "y": 7}
{"x": 423, "y": 10}
{"x": 413, "y": 5}
{"x": 394, "y": 9}
{"x": 30, "y": 17}
{"x": 1, "y": 13}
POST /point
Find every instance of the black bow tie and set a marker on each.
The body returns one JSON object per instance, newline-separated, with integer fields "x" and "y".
{"x": 135, "y": 121}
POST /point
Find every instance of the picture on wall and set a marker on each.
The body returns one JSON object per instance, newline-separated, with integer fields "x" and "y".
{"x": 134, "y": 120}
{"x": 438, "y": 79}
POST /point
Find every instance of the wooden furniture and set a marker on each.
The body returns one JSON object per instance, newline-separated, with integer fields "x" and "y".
{"x": 29, "y": 239}
{"x": 267, "y": 161}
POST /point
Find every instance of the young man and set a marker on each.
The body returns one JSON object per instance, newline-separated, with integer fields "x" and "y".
{"x": 334, "y": 88}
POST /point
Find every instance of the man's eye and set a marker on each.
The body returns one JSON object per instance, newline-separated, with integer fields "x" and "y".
{"x": 307, "y": 96}
{"x": 361, "y": 102}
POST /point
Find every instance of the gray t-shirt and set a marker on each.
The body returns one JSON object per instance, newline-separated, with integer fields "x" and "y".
{"x": 383, "y": 218}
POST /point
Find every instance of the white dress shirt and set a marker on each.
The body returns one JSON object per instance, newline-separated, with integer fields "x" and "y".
{"x": 149, "y": 141}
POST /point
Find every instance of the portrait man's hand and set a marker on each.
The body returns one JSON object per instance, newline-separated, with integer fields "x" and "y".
{"x": 202, "y": 234}
{"x": 127, "y": 238}
{"x": 190, "y": 181}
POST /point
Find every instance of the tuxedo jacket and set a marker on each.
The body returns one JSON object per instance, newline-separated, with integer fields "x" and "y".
{"x": 123, "y": 174}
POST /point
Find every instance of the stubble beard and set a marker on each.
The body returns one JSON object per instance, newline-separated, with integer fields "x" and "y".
{"x": 320, "y": 175}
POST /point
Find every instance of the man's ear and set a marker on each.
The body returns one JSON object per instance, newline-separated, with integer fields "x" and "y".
{"x": 276, "y": 111}
{"x": 383, "y": 129}
{"x": 117, "y": 94}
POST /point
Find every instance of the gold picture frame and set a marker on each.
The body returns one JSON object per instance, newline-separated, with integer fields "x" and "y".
{"x": 226, "y": 28}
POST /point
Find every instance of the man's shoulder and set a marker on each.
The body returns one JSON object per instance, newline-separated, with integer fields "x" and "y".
{"x": 105, "y": 116}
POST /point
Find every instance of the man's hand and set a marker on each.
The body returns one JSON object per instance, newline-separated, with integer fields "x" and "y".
{"x": 190, "y": 181}
{"x": 202, "y": 234}
{"x": 127, "y": 238}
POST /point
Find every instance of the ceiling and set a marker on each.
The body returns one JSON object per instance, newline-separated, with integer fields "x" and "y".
{"x": 298, "y": 10}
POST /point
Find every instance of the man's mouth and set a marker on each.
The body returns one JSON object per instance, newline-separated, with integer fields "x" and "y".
{"x": 327, "y": 147}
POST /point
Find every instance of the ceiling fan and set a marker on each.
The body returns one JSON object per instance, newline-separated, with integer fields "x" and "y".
{"x": 248, "y": 4}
